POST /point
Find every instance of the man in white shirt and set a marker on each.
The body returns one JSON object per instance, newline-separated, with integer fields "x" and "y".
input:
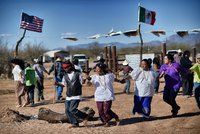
{"x": 73, "y": 81}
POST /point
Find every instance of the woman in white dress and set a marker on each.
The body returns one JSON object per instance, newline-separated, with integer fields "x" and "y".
{"x": 143, "y": 89}
{"x": 104, "y": 93}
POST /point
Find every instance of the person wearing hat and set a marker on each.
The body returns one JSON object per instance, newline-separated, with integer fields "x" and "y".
{"x": 126, "y": 70}
{"x": 72, "y": 80}
{"x": 196, "y": 69}
{"x": 58, "y": 75}
{"x": 104, "y": 93}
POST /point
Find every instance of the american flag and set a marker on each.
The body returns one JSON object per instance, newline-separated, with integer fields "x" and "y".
{"x": 31, "y": 23}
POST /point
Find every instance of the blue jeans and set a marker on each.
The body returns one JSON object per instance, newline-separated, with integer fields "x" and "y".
{"x": 59, "y": 89}
{"x": 72, "y": 112}
{"x": 197, "y": 93}
{"x": 127, "y": 86}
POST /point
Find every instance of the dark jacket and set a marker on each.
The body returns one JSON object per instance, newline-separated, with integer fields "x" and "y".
{"x": 74, "y": 87}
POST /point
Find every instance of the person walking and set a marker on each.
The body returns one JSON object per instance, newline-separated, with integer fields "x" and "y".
{"x": 143, "y": 89}
{"x": 171, "y": 72}
{"x": 126, "y": 71}
{"x": 187, "y": 76}
{"x": 72, "y": 80}
{"x": 30, "y": 81}
{"x": 196, "y": 69}
{"x": 156, "y": 70}
{"x": 104, "y": 93}
{"x": 18, "y": 74}
{"x": 58, "y": 75}
{"x": 40, "y": 69}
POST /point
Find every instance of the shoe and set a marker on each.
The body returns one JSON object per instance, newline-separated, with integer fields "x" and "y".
{"x": 32, "y": 105}
{"x": 18, "y": 106}
{"x": 175, "y": 111}
{"x": 85, "y": 121}
{"x": 133, "y": 111}
{"x": 106, "y": 125}
{"x": 25, "y": 104}
{"x": 42, "y": 98}
{"x": 73, "y": 126}
{"x": 117, "y": 120}
{"x": 145, "y": 116}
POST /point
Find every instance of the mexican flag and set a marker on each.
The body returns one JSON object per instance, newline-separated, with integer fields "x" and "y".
{"x": 146, "y": 16}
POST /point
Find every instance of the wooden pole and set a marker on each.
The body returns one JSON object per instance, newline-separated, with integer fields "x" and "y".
{"x": 141, "y": 41}
{"x": 18, "y": 43}
{"x": 194, "y": 55}
{"x": 109, "y": 58}
{"x": 164, "y": 51}
{"x": 106, "y": 54}
{"x": 87, "y": 65}
{"x": 114, "y": 59}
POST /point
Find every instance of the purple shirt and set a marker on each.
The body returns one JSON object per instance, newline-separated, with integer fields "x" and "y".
{"x": 172, "y": 75}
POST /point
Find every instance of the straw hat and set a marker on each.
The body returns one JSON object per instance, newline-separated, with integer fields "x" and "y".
{"x": 198, "y": 56}
{"x": 125, "y": 63}
{"x": 58, "y": 59}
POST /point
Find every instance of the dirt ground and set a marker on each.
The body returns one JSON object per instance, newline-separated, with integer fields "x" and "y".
{"x": 188, "y": 120}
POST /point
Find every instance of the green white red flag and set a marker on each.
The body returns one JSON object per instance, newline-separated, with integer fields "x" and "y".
{"x": 146, "y": 16}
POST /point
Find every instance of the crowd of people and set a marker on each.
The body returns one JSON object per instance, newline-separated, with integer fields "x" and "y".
{"x": 178, "y": 71}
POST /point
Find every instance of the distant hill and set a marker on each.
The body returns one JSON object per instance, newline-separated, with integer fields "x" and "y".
{"x": 189, "y": 39}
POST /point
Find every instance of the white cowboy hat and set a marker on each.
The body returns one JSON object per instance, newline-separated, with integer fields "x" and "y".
{"x": 125, "y": 63}
{"x": 198, "y": 56}
{"x": 58, "y": 59}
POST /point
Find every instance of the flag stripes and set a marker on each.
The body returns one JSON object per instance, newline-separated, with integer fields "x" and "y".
{"x": 31, "y": 23}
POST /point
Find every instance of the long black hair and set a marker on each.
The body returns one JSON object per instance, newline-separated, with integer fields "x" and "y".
{"x": 103, "y": 67}
{"x": 19, "y": 62}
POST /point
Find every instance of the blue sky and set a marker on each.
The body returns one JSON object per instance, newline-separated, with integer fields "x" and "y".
{"x": 89, "y": 17}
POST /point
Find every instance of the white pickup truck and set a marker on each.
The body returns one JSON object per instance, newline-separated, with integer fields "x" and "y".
{"x": 82, "y": 58}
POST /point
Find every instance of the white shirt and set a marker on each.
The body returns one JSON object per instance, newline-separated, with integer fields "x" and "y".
{"x": 70, "y": 75}
{"x": 39, "y": 69}
{"x": 144, "y": 82}
{"x": 78, "y": 68}
{"x": 103, "y": 87}
{"x": 17, "y": 73}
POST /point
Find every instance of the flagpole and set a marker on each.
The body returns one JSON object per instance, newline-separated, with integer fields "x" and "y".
{"x": 139, "y": 30}
{"x": 18, "y": 43}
